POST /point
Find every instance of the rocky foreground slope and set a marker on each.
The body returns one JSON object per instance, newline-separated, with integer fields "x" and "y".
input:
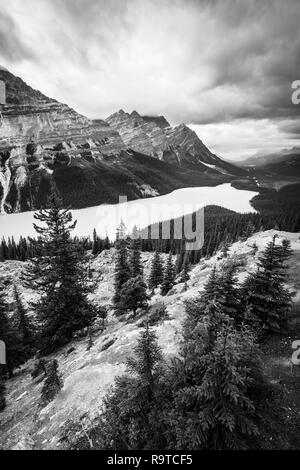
{"x": 45, "y": 143}
{"x": 87, "y": 375}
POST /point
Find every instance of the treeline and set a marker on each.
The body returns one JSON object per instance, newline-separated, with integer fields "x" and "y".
{"x": 214, "y": 394}
{"x": 27, "y": 248}
{"x": 221, "y": 227}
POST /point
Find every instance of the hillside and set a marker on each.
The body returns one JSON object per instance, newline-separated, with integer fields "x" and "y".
{"x": 88, "y": 374}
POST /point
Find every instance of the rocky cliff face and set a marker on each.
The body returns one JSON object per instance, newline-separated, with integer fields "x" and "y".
{"x": 37, "y": 134}
{"x": 178, "y": 145}
{"x": 144, "y": 136}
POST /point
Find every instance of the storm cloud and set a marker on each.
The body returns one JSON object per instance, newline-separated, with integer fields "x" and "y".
{"x": 201, "y": 62}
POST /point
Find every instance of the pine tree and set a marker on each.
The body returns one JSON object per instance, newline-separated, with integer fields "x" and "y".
{"x": 95, "y": 248}
{"x": 156, "y": 273}
{"x": 24, "y": 325}
{"x": 133, "y": 296}
{"x": 212, "y": 381}
{"x": 59, "y": 274}
{"x": 212, "y": 287}
{"x": 185, "y": 272}
{"x": 2, "y": 393}
{"x": 267, "y": 301}
{"x": 106, "y": 243}
{"x": 10, "y": 334}
{"x": 223, "y": 286}
{"x": 133, "y": 410}
{"x": 179, "y": 261}
{"x": 229, "y": 296}
{"x": 213, "y": 408}
{"x": 286, "y": 251}
{"x": 53, "y": 383}
{"x": 122, "y": 271}
{"x": 135, "y": 263}
{"x": 169, "y": 276}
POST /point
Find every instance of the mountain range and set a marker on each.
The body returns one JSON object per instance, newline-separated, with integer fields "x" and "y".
{"x": 285, "y": 162}
{"x": 262, "y": 158}
{"x": 44, "y": 143}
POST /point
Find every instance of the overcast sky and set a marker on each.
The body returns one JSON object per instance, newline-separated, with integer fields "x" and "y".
{"x": 223, "y": 66}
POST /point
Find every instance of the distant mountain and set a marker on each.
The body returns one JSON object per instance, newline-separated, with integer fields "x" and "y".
{"x": 178, "y": 145}
{"x": 261, "y": 159}
{"x": 289, "y": 165}
{"x": 44, "y": 143}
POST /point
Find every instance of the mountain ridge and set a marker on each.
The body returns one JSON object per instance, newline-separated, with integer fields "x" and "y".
{"x": 44, "y": 143}
{"x": 178, "y": 145}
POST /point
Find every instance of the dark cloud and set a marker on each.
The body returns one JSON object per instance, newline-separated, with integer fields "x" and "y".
{"x": 11, "y": 47}
{"x": 291, "y": 127}
{"x": 258, "y": 54}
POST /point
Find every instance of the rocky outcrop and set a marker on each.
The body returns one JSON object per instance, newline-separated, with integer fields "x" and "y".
{"x": 144, "y": 136}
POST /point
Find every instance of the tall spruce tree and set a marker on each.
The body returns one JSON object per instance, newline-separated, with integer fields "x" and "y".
{"x": 135, "y": 262}
{"x": 267, "y": 301}
{"x": 96, "y": 243}
{"x": 222, "y": 285}
{"x": 10, "y": 334}
{"x": 156, "y": 272}
{"x": 133, "y": 295}
{"x": 122, "y": 271}
{"x": 2, "y": 392}
{"x": 59, "y": 274}
{"x": 53, "y": 383}
{"x": 133, "y": 410}
{"x": 180, "y": 260}
{"x": 213, "y": 380}
{"x": 286, "y": 250}
{"x": 24, "y": 325}
{"x": 212, "y": 286}
{"x": 229, "y": 297}
{"x": 213, "y": 406}
{"x": 169, "y": 276}
{"x": 184, "y": 276}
